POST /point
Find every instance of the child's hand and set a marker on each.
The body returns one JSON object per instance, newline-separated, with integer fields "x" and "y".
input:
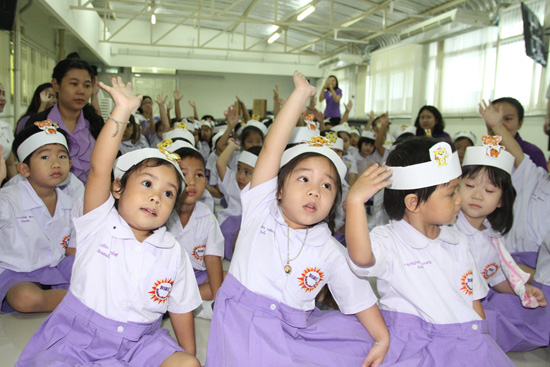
{"x": 231, "y": 116}
{"x": 384, "y": 120}
{"x": 170, "y": 105}
{"x": 161, "y": 99}
{"x": 192, "y": 104}
{"x": 233, "y": 143}
{"x": 371, "y": 115}
{"x": 122, "y": 94}
{"x": 276, "y": 92}
{"x": 376, "y": 356}
{"x": 178, "y": 95}
{"x": 537, "y": 293}
{"x": 45, "y": 97}
{"x": 282, "y": 101}
{"x": 491, "y": 114}
{"x": 349, "y": 105}
{"x": 3, "y": 170}
{"x": 300, "y": 83}
{"x": 369, "y": 183}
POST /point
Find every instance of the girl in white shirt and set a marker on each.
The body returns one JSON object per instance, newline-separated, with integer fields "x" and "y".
{"x": 264, "y": 312}
{"x": 128, "y": 269}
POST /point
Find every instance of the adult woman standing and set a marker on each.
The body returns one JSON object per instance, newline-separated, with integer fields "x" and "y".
{"x": 72, "y": 80}
{"x": 429, "y": 119}
{"x": 332, "y": 95}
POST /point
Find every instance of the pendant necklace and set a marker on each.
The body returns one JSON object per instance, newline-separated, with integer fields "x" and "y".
{"x": 288, "y": 268}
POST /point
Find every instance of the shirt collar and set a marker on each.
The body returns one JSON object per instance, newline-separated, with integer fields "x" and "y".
{"x": 33, "y": 201}
{"x": 469, "y": 230}
{"x": 412, "y": 237}
{"x": 55, "y": 116}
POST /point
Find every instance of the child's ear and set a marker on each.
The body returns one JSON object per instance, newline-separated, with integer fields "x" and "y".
{"x": 116, "y": 188}
{"x": 23, "y": 169}
{"x": 411, "y": 202}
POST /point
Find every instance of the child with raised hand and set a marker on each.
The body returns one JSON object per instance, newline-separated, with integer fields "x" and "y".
{"x": 195, "y": 226}
{"x": 231, "y": 185}
{"x": 429, "y": 286}
{"x": 128, "y": 269}
{"x": 511, "y": 307}
{"x": 264, "y": 313}
{"x": 35, "y": 223}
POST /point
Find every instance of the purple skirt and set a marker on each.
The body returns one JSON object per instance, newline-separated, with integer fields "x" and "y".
{"x": 249, "y": 329}
{"x": 340, "y": 237}
{"x": 230, "y": 227}
{"x": 514, "y": 327}
{"x": 201, "y": 276}
{"x": 415, "y": 342}
{"x": 75, "y": 335}
{"x": 526, "y": 258}
{"x": 57, "y": 277}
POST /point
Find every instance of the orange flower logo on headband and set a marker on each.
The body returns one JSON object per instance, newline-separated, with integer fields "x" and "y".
{"x": 172, "y": 157}
{"x": 491, "y": 143}
{"x": 48, "y": 126}
{"x": 181, "y": 125}
{"x": 318, "y": 141}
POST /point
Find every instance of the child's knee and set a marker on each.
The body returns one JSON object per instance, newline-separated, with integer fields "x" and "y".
{"x": 25, "y": 297}
{"x": 181, "y": 359}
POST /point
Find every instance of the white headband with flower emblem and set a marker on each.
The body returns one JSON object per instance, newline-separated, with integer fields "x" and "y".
{"x": 48, "y": 135}
{"x": 443, "y": 167}
{"x": 130, "y": 159}
{"x": 490, "y": 154}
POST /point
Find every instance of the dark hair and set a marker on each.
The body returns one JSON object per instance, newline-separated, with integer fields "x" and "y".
{"x": 249, "y": 130}
{"x": 201, "y": 138}
{"x": 514, "y": 102}
{"x": 73, "y": 55}
{"x": 335, "y": 78}
{"x": 287, "y": 169}
{"x": 208, "y": 117}
{"x": 140, "y": 110}
{"x": 135, "y": 133}
{"x": 411, "y": 151}
{"x": 26, "y": 133}
{"x": 35, "y": 101}
{"x": 149, "y": 162}
{"x": 501, "y": 218}
{"x": 439, "y": 123}
{"x": 90, "y": 114}
{"x": 363, "y": 140}
{"x": 402, "y": 138}
{"x": 190, "y": 153}
{"x": 463, "y": 138}
{"x": 255, "y": 150}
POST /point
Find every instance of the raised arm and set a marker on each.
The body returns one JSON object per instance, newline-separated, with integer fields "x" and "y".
{"x": 246, "y": 115}
{"x": 164, "y": 120}
{"x": 169, "y": 106}
{"x": 276, "y": 103}
{"x": 322, "y": 92}
{"x": 382, "y": 132}
{"x": 357, "y": 230}
{"x": 280, "y": 131}
{"x": 493, "y": 118}
{"x": 95, "y": 98}
{"x": 98, "y": 185}
{"x": 368, "y": 125}
{"x": 232, "y": 120}
{"x": 177, "y": 98}
{"x": 223, "y": 159}
{"x": 345, "y": 116}
{"x": 194, "y": 107}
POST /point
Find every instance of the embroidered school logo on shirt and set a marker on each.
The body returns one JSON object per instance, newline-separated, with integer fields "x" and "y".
{"x": 466, "y": 283}
{"x": 490, "y": 270}
{"x": 310, "y": 279}
{"x": 198, "y": 252}
{"x": 65, "y": 241}
{"x": 161, "y": 290}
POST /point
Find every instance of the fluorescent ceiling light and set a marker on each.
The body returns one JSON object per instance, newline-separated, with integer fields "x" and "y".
{"x": 153, "y": 19}
{"x": 274, "y": 37}
{"x": 305, "y": 13}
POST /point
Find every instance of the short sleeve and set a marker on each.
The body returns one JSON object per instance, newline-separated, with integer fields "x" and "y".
{"x": 257, "y": 199}
{"x": 184, "y": 296}
{"x": 215, "y": 241}
{"x": 90, "y": 223}
{"x": 382, "y": 266}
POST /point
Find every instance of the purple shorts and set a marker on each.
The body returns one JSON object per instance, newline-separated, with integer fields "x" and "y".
{"x": 57, "y": 277}
{"x": 230, "y": 227}
{"x": 249, "y": 329}
{"x": 201, "y": 276}
{"x": 415, "y": 342}
{"x": 526, "y": 258}
{"x": 75, "y": 335}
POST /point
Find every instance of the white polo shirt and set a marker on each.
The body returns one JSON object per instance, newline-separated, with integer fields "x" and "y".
{"x": 127, "y": 280}
{"x": 211, "y": 166}
{"x": 232, "y": 193}
{"x": 261, "y": 254}
{"x": 72, "y": 186}
{"x": 201, "y": 235}
{"x": 436, "y": 280}
{"x": 542, "y": 272}
{"x": 487, "y": 260}
{"x": 204, "y": 148}
{"x": 531, "y": 208}
{"x": 30, "y": 237}
{"x": 6, "y": 138}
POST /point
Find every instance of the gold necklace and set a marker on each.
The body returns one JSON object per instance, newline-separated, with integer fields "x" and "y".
{"x": 288, "y": 268}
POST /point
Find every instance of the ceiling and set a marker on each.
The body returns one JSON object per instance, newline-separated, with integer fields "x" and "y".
{"x": 336, "y": 26}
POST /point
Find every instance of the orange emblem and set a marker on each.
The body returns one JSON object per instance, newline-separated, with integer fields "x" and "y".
{"x": 466, "y": 283}
{"x": 310, "y": 279}
{"x": 161, "y": 290}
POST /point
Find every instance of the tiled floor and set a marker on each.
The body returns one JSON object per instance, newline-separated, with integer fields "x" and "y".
{"x": 16, "y": 330}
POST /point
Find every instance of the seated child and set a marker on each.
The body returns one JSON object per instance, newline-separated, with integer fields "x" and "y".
{"x": 205, "y": 137}
{"x": 195, "y": 226}
{"x": 231, "y": 185}
{"x": 285, "y": 254}
{"x": 129, "y": 270}
{"x": 35, "y": 223}
{"x": 132, "y": 138}
{"x": 429, "y": 285}
{"x": 368, "y": 153}
{"x": 344, "y": 133}
{"x": 462, "y": 140}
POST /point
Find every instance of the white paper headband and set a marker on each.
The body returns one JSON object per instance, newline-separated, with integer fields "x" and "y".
{"x": 248, "y": 158}
{"x": 258, "y": 125}
{"x": 490, "y": 154}
{"x": 128, "y": 160}
{"x": 443, "y": 167}
{"x": 48, "y": 135}
{"x": 179, "y": 133}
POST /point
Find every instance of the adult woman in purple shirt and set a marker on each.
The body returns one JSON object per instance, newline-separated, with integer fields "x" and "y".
{"x": 332, "y": 95}
{"x": 72, "y": 80}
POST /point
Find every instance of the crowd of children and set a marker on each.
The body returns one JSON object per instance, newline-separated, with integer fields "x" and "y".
{"x": 456, "y": 241}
